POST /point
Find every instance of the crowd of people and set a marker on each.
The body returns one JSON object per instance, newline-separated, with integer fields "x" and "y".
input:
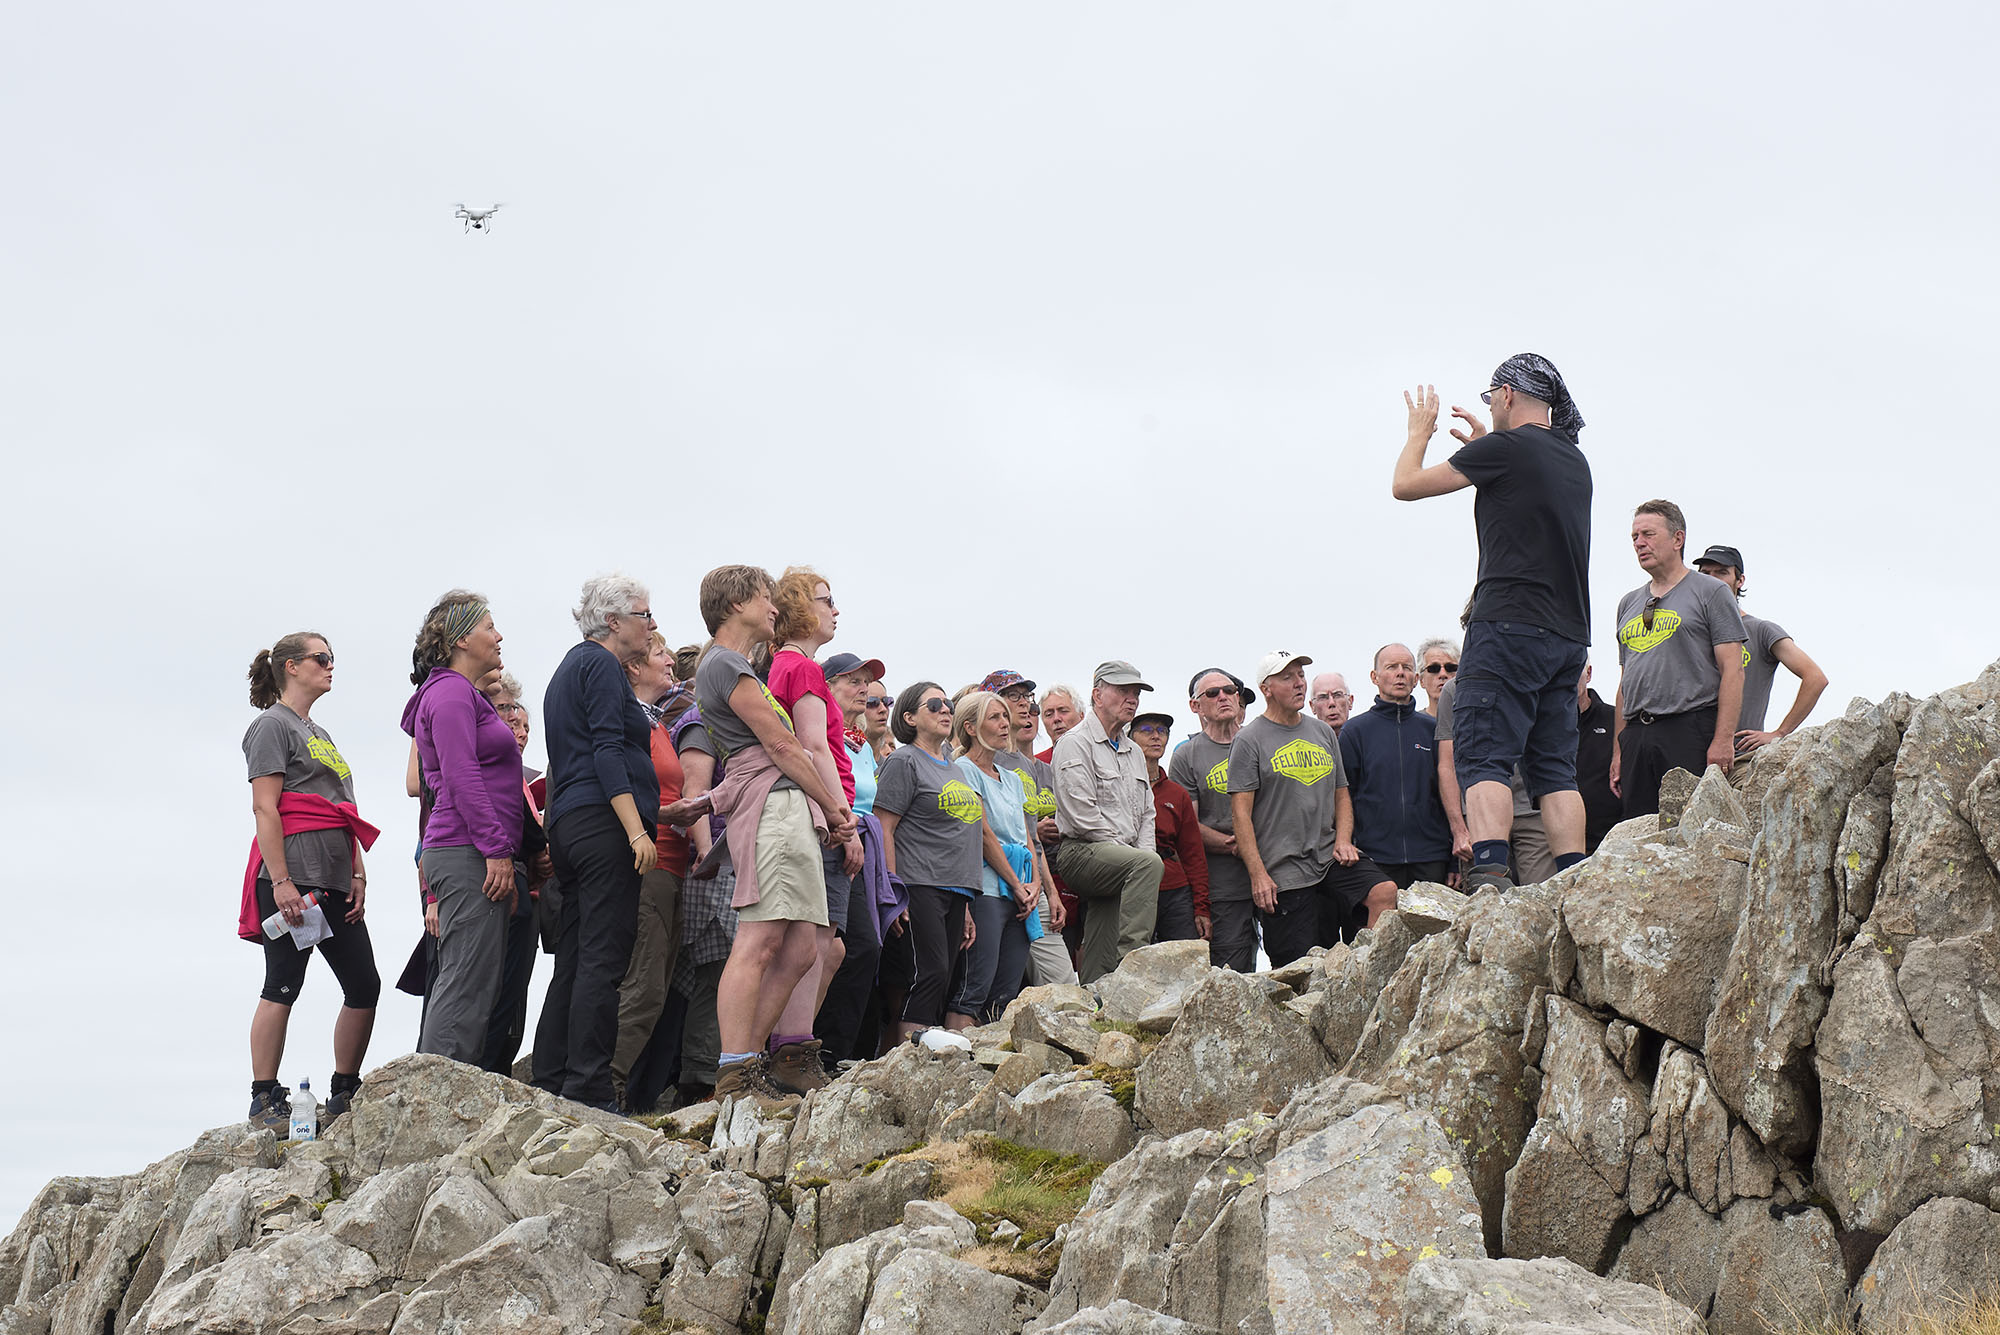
{"x": 753, "y": 863}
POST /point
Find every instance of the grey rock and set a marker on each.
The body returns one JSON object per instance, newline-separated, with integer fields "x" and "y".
{"x": 1651, "y": 926}
{"x": 921, "y": 1292}
{"x": 1863, "y": 847}
{"x": 1760, "y": 1036}
{"x": 831, "y": 1297}
{"x": 24, "y": 1318}
{"x": 301, "y": 1272}
{"x": 645, "y": 1221}
{"x": 1427, "y": 907}
{"x": 858, "y": 1206}
{"x": 460, "y": 1216}
{"x": 1151, "y": 985}
{"x": 381, "y": 1218}
{"x": 1348, "y": 1210}
{"x": 1690, "y": 1130}
{"x": 1319, "y": 1106}
{"x": 1064, "y": 1115}
{"x": 1676, "y": 787}
{"x": 1117, "y": 1049}
{"x": 1069, "y": 1031}
{"x": 1356, "y": 975}
{"x": 1550, "y": 1296}
{"x": 1779, "y": 1271}
{"x": 1116, "y": 1318}
{"x": 1942, "y": 1258}
{"x": 1021, "y": 1068}
{"x": 887, "y": 1106}
{"x": 1566, "y": 1193}
{"x": 1233, "y": 1052}
{"x": 1676, "y": 1249}
{"x": 802, "y": 1252}
{"x": 534, "y": 1278}
{"x": 377, "y": 1316}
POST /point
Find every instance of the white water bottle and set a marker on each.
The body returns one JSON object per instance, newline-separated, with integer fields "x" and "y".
{"x": 305, "y": 1113}
{"x": 275, "y": 926}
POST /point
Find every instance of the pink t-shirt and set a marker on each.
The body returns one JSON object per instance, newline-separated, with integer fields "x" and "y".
{"x": 794, "y": 676}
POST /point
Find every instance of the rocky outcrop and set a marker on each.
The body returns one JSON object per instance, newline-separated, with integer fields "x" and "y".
{"x": 1941, "y": 1260}
{"x": 1537, "y": 1297}
{"x": 1235, "y": 1051}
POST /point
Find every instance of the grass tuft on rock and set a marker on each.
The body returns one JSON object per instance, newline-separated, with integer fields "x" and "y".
{"x": 1945, "y": 1314}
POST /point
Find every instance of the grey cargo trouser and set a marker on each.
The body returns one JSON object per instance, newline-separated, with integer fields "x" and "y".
{"x": 1120, "y": 889}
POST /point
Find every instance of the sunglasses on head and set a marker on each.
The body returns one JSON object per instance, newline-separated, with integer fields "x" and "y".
{"x": 1652, "y": 606}
{"x": 879, "y": 701}
{"x": 1432, "y": 669}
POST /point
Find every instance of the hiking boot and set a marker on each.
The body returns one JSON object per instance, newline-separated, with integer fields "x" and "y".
{"x": 338, "y": 1099}
{"x": 796, "y": 1068}
{"x": 746, "y": 1080}
{"x": 271, "y": 1110}
{"x": 1489, "y": 876}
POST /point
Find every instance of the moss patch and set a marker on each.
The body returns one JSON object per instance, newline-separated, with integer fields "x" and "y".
{"x": 1124, "y": 1084}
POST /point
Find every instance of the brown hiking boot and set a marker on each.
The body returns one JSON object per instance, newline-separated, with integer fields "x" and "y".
{"x": 796, "y": 1068}
{"x": 747, "y": 1079}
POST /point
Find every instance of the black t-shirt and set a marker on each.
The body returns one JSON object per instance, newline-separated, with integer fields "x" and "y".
{"x": 1533, "y": 517}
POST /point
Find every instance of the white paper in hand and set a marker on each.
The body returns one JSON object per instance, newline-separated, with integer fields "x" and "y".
{"x": 312, "y": 929}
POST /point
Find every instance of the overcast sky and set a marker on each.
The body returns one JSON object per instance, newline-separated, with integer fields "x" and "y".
{"x": 1048, "y": 333}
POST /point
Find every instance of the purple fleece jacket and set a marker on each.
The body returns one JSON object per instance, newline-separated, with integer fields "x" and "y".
{"x": 469, "y": 758}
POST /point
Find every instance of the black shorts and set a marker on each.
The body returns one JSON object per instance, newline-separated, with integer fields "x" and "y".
{"x": 1516, "y": 705}
{"x": 348, "y": 952}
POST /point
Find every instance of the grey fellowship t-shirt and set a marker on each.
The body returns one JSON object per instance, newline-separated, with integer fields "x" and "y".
{"x": 1296, "y": 773}
{"x": 280, "y": 742}
{"x": 1671, "y": 669}
{"x": 1523, "y": 804}
{"x": 938, "y": 816}
{"x": 1760, "y": 670}
{"x": 714, "y": 680}
{"x": 1038, "y": 785}
{"x": 1201, "y": 765}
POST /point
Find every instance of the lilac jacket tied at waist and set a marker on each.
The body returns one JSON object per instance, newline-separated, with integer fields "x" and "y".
{"x": 740, "y": 799}
{"x": 469, "y": 758}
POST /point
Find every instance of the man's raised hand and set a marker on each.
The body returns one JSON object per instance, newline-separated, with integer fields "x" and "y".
{"x": 1423, "y": 405}
{"x": 1474, "y": 428}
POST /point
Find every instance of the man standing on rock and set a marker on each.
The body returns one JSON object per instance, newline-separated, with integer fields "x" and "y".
{"x": 1104, "y": 809}
{"x": 1680, "y": 649}
{"x": 1390, "y": 755}
{"x": 1201, "y": 765}
{"x": 1530, "y": 623}
{"x": 1294, "y": 822}
{"x": 1331, "y": 700}
{"x": 1768, "y": 645}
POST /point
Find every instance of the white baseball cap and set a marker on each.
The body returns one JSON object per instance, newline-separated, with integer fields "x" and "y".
{"x": 1271, "y": 664}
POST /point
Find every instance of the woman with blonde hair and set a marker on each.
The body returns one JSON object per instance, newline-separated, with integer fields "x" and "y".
{"x": 1012, "y": 880}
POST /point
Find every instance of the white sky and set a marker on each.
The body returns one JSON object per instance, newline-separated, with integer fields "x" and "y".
{"x": 1049, "y": 333}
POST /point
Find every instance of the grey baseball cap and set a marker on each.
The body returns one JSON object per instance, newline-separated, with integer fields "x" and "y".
{"x": 1118, "y": 672}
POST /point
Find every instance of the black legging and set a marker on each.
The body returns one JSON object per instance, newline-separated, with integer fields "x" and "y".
{"x": 347, "y": 952}
{"x": 937, "y": 926}
{"x": 578, "y": 1031}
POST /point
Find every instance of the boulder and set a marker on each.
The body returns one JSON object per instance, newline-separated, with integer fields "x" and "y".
{"x": 1117, "y": 1049}
{"x": 1069, "y": 1031}
{"x": 1353, "y": 977}
{"x": 922, "y": 1292}
{"x": 300, "y": 1272}
{"x": 1760, "y": 1035}
{"x": 1677, "y": 1250}
{"x": 1537, "y": 1297}
{"x": 1427, "y": 907}
{"x": 882, "y": 1108}
{"x": 832, "y": 1297}
{"x": 1115, "y": 1318}
{"x": 1349, "y": 1209}
{"x": 1942, "y": 1258}
{"x": 858, "y": 1206}
{"x": 1021, "y": 1068}
{"x": 381, "y": 1218}
{"x": 729, "y": 1238}
{"x": 534, "y": 1278}
{"x": 1233, "y": 1052}
{"x": 460, "y": 1216}
{"x": 1780, "y": 1270}
{"x": 1151, "y": 985}
{"x": 1064, "y": 1115}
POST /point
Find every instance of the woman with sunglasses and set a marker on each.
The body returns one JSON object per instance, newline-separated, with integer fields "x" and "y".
{"x": 470, "y": 761}
{"x": 932, "y": 822}
{"x": 1437, "y": 664}
{"x": 309, "y": 841}
{"x": 603, "y": 808}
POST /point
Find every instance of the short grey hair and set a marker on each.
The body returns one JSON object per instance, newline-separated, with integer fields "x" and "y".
{"x": 1069, "y": 693}
{"x": 606, "y": 596}
{"x": 508, "y": 684}
{"x": 1436, "y": 642}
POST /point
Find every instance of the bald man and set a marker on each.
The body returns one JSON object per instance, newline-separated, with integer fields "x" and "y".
{"x": 1331, "y": 701}
{"x": 1390, "y": 754}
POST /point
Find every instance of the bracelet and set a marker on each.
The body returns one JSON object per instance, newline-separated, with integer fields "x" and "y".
{"x": 635, "y": 839}
{"x": 282, "y": 880}
{"x": 359, "y": 877}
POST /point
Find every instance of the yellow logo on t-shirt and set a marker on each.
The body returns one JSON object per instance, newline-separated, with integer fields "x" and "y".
{"x": 1307, "y": 762}
{"x": 326, "y": 753}
{"x": 1036, "y": 800}
{"x": 958, "y": 800}
{"x": 1634, "y": 635}
{"x": 1217, "y": 779}
{"x": 776, "y": 708}
{"x": 1746, "y": 654}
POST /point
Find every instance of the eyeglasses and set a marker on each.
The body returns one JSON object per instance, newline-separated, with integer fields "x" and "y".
{"x": 1487, "y": 397}
{"x": 1160, "y": 728}
{"x": 1652, "y": 606}
{"x": 878, "y": 701}
{"x": 511, "y": 707}
{"x": 325, "y": 660}
{"x": 639, "y": 614}
{"x": 1432, "y": 669}
{"x": 937, "y": 705}
{"x": 1332, "y": 695}
{"x": 827, "y": 598}
{"x": 1215, "y": 692}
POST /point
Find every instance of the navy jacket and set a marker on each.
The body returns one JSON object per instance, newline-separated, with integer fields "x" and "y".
{"x": 598, "y": 740}
{"x": 1390, "y": 754}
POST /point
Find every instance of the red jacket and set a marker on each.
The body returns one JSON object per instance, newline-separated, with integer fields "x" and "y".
{"x": 1178, "y": 834}
{"x": 299, "y": 812}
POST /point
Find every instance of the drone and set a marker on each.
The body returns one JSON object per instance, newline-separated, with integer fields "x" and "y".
{"x": 478, "y": 220}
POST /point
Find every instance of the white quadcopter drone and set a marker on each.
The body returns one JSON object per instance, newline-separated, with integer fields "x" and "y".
{"x": 477, "y": 220}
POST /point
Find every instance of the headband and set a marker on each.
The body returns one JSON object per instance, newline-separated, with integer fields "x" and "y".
{"x": 1536, "y": 376}
{"x": 460, "y": 622}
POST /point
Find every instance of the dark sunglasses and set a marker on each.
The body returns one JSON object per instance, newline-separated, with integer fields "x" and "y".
{"x": 879, "y": 701}
{"x": 1652, "y": 606}
{"x": 936, "y": 705}
{"x": 1215, "y": 692}
{"x": 1432, "y": 669}
{"x": 325, "y": 660}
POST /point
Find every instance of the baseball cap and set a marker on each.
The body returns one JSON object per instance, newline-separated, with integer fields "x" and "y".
{"x": 1722, "y": 556}
{"x": 1164, "y": 720}
{"x": 1271, "y": 664}
{"x": 842, "y": 664}
{"x": 1000, "y": 679}
{"x": 1118, "y": 672}
{"x": 1249, "y": 696}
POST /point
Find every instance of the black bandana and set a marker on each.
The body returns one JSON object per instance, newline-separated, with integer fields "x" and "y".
{"x": 1536, "y": 376}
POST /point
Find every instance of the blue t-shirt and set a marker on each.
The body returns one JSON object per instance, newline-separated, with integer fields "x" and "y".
{"x": 1006, "y": 816}
{"x": 862, "y": 762}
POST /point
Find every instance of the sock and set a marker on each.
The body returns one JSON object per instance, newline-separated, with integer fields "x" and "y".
{"x": 1564, "y": 861}
{"x": 263, "y": 1086}
{"x": 345, "y": 1083}
{"x": 731, "y": 1058}
{"x": 1491, "y": 853}
{"x": 779, "y": 1040}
